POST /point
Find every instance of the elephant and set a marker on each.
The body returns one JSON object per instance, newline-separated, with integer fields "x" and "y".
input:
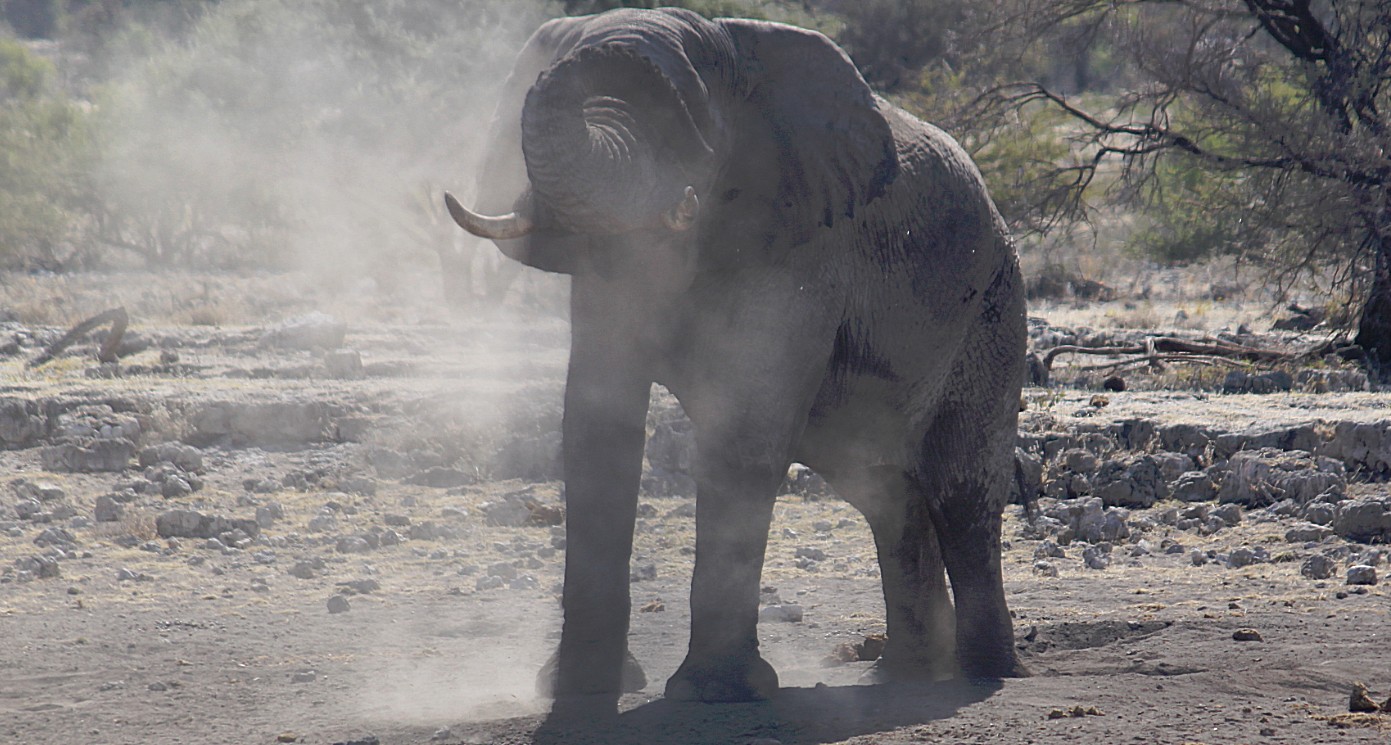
{"x": 817, "y": 276}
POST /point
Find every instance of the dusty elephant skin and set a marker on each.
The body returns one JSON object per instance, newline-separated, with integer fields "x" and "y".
{"x": 816, "y": 275}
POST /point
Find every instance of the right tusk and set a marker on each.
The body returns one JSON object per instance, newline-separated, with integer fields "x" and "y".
{"x": 506, "y": 227}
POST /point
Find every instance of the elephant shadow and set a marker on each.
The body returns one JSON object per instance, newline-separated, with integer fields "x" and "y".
{"x": 796, "y": 716}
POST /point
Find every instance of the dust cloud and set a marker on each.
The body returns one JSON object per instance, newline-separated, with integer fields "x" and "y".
{"x": 317, "y": 136}
{"x": 313, "y": 136}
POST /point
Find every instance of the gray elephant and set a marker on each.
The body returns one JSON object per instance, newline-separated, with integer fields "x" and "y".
{"x": 816, "y": 275}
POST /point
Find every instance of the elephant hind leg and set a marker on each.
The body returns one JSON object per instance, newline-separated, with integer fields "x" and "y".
{"x": 964, "y": 476}
{"x": 921, "y": 622}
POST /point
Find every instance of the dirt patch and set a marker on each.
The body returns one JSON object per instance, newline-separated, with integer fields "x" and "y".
{"x": 419, "y": 491}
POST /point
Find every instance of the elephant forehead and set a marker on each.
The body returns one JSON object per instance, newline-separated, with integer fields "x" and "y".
{"x": 677, "y": 42}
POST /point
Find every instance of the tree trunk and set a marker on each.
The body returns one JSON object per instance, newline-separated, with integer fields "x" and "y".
{"x": 1374, "y": 328}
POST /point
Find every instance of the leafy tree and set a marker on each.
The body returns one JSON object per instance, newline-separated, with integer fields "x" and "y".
{"x": 43, "y": 160}
{"x": 1282, "y": 103}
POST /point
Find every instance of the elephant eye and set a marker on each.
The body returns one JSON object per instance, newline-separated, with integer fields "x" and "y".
{"x": 732, "y": 195}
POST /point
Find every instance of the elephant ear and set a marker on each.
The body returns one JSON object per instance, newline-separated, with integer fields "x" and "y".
{"x": 503, "y": 177}
{"x": 831, "y": 146}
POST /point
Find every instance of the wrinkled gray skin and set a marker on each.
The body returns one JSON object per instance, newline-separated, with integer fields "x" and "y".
{"x": 840, "y": 292}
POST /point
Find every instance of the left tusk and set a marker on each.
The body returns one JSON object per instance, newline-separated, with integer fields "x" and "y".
{"x": 681, "y": 217}
{"x": 505, "y": 227}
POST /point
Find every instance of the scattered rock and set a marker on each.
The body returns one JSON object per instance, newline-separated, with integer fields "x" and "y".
{"x": 1318, "y": 567}
{"x": 1095, "y": 558}
{"x": 1240, "y": 381}
{"x": 1367, "y": 520}
{"x": 1138, "y": 483}
{"x": 107, "y": 509}
{"x": 1361, "y": 699}
{"x": 307, "y": 569}
{"x": 88, "y": 455}
{"x": 338, "y": 604}
{"x": 190, "y": 524}
{"x": 1247, "y": 635}
{"x": 343, "y": 364}
{"x": 1256, "y": 478}
{"x": 353, "y": 545}
{"x": 24, "y": 423}
{"x": 1362, "y": 574}
{"x": 1307, "y": 533}
{"x": 183, "y": 457}
{"x": 38, "y": 567}
{"x": 1194, "y": 486}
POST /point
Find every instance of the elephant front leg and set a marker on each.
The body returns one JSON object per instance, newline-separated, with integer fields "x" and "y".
{"x": 733, "y": 510}
{"x": 605, "y": 413}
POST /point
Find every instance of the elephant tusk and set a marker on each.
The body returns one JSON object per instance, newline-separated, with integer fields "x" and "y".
{"x": 505, "y": 227}
{"x": 681, "y": 217}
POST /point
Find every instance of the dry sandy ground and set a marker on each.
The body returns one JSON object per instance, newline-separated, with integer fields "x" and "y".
{"x": 218, "y": 647}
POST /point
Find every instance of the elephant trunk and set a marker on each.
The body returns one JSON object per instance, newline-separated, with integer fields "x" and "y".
{"x": 608, "y": 142}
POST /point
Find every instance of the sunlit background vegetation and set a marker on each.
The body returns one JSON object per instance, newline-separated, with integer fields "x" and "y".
{"x": 268, "y": 134}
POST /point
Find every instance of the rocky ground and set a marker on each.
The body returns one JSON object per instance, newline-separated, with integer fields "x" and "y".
{"x": 323, "y": 531}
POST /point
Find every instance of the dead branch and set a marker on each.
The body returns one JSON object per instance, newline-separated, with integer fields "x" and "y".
{"x": 1156, "y": 360}
{"x": 118, "y": 319}
{"x": 1170, "y": 345}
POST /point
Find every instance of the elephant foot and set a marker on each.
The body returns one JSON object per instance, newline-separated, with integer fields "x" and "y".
{"x": 886, "y": 671}
{"x": 632, "y": 680}
{"x": 993, "y": 666}
{"x": 748, "y": 678}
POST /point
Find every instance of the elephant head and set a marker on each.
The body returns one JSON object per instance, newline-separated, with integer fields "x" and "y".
{"x": 636, "y": 129}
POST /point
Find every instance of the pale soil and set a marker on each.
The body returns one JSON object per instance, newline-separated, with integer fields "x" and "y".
{"x": 1147, "y": 643}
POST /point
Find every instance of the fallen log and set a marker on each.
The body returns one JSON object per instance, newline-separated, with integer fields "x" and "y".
{"x": 1171, "y": 347}
{"x": 118, "y": 319}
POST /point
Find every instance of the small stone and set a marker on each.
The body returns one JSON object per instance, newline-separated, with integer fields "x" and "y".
{"x": 489, "y": 582}
{"x": 1241, "y": 557}
{"x": 338, "y": 604}
{"x": 1318, "y": 567}
{"x": 287, "y": 737}
{"x": 1361, "y": 700}
{"x": 304, "y": 676}
{"x": 1095, "y": 558}
{"x": 1229, "y": 513}
{"x": 1197, "y": 558}
{"x": 1247, "y": 635}
{"x": 107, "y": 509}
{"x": 1362, "y": 574}
{"x": 653, "y": 606}
{"x": 353, "y": 545}
{"x": 1045, "y": 568}
{"x": 158, "y": 686}
{"x": 1307, "y": 533}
